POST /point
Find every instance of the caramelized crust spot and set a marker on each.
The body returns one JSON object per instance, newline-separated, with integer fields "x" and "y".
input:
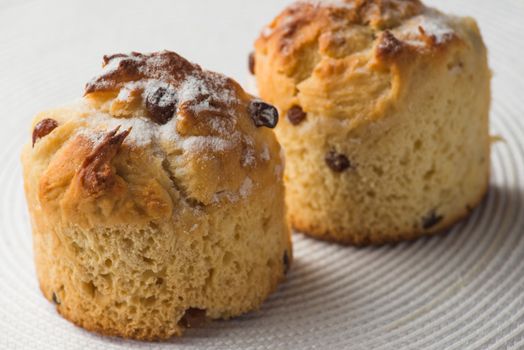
{"x": 96, "y": 172}
{"x": 43, "y": 128}
{"x": 165, "y": 66}
{"x": 309, "y": 18}
{"x": 251, "y": 63}
{"x": 389, "y": 46}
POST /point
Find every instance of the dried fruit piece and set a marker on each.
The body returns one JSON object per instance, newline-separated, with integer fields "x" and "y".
{"x": 337, "y": 161}
{"x": 286, "y": 262}
{"x": 263, "y": 114}
{"x": 193, "y": 317}
{"x": 251, "y": 63}
{"x": 55, "y": 299}
{"x": 43, "y": 128}
{"x": 431, "y": 220}
{"x": 296, "y": 115}
{"x": 160, "y": 104}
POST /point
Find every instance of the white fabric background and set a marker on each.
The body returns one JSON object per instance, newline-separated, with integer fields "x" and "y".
{"x": 463, "y": 290}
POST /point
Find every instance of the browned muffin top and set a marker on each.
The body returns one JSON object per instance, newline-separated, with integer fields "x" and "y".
{"x": 164, "y": 84}
{"x": 332, "y": 22}
{"x": 313, "y": 52}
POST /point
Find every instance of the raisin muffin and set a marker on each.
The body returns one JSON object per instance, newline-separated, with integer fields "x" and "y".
{"x": 157, "y": 199}
{"x": 386, "y": 108}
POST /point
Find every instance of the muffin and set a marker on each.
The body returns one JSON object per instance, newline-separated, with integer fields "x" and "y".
{"x": 386, "y": 107}
{"x": 157, "y": 199}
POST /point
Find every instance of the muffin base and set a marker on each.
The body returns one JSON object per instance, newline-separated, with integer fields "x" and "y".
{"x": 349, "y": 238}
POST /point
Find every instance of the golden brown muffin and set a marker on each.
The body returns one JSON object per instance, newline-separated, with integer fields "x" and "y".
{"x": 386, "y": 107}
{"x": 157, "y": 200}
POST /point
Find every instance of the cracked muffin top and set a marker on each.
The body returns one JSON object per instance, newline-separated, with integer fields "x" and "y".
{"x": 315, "y": 53}
{"x": 153, "y": 132}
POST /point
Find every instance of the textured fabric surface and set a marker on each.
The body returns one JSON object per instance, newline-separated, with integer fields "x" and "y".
{"x": 461, "y": 290}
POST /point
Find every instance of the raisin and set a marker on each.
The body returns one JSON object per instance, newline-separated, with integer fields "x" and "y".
{"x": 43, "y": 128}
{"x": 286, "y": 262}
{"x": 263, "y": 114}
{"x": 296, "y": 115}
{"x": 55, "y": 299}
{"x": 251, "y": 63}
{"x": 337, "y": 161}
{"x": 431, "y": 220}
{"x": 161, "y": 105}
{"x": 193, "y": 317}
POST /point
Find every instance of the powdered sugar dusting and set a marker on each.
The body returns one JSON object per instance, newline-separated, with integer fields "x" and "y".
{"x": 112, "y": 64}
{"x": 221, "y": 125}
{"x": 144, "y": 132}
{"x": 94, "y": 137}
{"x": 265, "y": 153}
{"x": 204, "y": 93}
{"x": 331, "y": 3}
{"x": 229, "y": 195}
{"x": 432, "y": 23}
{"x": 246, "y": 187}
{"x": 169, "y": 96}
{"x": 437, "y": 27}
{"x": 161, "y": 83}
{"x": 202, "y": 143}
{"x": 191, "y": 88}
{"x": 248, "y": 155}
{"x": 214, "y": 87}
{"x": 124, "y": 94}
{"x": 142, "y": 129}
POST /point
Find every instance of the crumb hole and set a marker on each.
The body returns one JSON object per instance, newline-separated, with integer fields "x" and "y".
{"x": 227, "y": 258}
{"x": 429, "y": 174}
{"x": 148, "y": 301}
{"x": 128, "y": 244}
{"x": 148, "y": 260}
{"x": 89, "y": 288}
{"x": 377, "y": 170}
